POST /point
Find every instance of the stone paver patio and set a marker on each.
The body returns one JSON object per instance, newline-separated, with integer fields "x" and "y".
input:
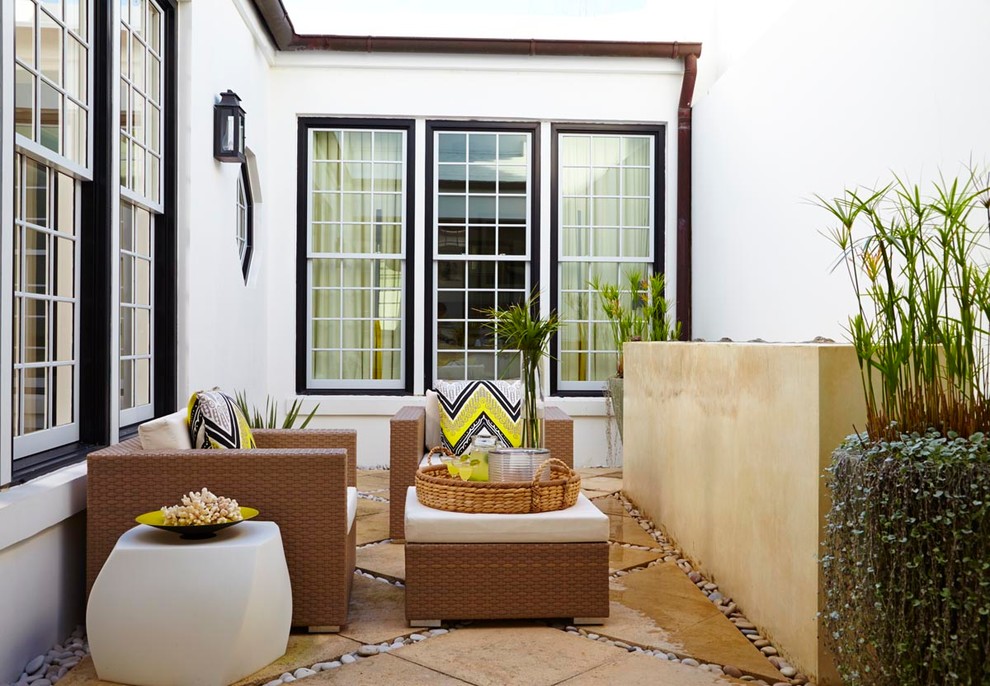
{"x": 654, "y": 607}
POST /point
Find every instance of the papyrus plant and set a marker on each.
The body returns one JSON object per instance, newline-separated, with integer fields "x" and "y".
{"x": 519, "y": 327}
{"x": 918, "y": 265}
{"x": 636, "y": 311}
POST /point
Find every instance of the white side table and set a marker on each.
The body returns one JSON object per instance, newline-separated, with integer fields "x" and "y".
{"x": 165, "y": 611}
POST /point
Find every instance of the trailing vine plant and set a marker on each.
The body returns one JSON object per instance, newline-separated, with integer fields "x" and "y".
{"x": 906, "y": 562}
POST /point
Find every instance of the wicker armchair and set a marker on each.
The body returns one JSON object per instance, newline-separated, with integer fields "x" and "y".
{"x": 297, "y": 479}
{"x": 407, "y": 447}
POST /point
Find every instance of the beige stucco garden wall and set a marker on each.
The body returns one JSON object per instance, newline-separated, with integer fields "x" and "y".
{"x": 725, "y": 445}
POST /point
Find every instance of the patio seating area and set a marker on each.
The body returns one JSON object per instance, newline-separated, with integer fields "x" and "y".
{"x": 663, "y": 627}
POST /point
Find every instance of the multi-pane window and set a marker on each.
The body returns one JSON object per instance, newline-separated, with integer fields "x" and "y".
{"x": 46, "y": 307}
{"x": 606, "y": 218}
{"x": 136, "y": 306}
{"x": 244, "y": 231}
{"x": 141, "y": 94}
{"x": 481, "y": 246}
{"x": 356, "y": 258}
{"x": 141, "y": 90}
{"x": 51, "y": 77}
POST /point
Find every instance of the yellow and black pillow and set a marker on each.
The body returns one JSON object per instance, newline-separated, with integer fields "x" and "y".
{"x": 215, "y": 422}
{"x": 470, "y": 408}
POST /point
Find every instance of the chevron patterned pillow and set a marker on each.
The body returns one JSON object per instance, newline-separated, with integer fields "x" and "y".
{"x": 470, "y": 408}
{"x": 215, "y": 422}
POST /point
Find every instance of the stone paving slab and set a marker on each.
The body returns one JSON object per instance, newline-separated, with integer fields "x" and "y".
{"x": 633, "y": 668}
{"x": 382, "y": 670}
{"x": 523, "y": 655}
{"x": 386, "y": 560}
{"x": 372, "y": 479}
{"x": 591, "y": 495}
{"x": 377, "y": 612}
{"x": 611, "y": 505}
{"x": 625, "y": 529}
{"x": 607, "y": 484}
{"x": 84, "y": 674}
{"x": 303, "y": 650}
{"x": 591, "y": 472}
{"x": 620, "y": 558}
{"x": 659, "y": 607}
{"x": 371, "y": 528}
{"x": 367, "y": 507}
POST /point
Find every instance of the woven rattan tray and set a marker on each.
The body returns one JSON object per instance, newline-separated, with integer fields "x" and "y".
{"x": 436, "y": 488}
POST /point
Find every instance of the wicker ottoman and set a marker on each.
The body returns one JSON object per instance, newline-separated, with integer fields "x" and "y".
{"x": 488, "y": 566}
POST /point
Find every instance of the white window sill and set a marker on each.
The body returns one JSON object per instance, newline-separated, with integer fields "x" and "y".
{"x": 30, "y": 508}
{"x": 386, "y": 406}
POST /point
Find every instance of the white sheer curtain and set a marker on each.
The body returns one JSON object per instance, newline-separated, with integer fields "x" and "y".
{"x": 606, "y": 231}
{"x": 356, "y": 265}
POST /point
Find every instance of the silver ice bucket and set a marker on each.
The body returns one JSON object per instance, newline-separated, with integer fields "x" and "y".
{"x": 517, "y": 464}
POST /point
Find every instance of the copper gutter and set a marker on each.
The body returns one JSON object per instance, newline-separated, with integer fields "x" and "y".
{"x": 276, "y": 19}
{"x": 684, "y": 195}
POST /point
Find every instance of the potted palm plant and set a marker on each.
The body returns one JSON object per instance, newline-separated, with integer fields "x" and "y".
{"x": 639, "y": 312}
{"x": 519, "y": 327}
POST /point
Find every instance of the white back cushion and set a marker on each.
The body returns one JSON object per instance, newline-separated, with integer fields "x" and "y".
{"x": 432, "y": 433}
{"x": 170, "y": 432}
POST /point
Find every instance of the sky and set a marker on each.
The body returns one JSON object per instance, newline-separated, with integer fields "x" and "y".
{"x": 579, "y": 19}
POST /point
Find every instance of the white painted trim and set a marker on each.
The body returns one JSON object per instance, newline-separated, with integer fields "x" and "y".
{"x": 6, "y": 239}
{"x": 419, "y": 261}
{"x": 30, "y": 508}
{"x": 258, "y": 32}
{"x": 185, "y": 18}
{"x": 338, "y": 406}
{"x": 316, "y": 59}
{"x": 40, "y": 153}
{"x": 137, "y": 414}
{"x": 546, "y": 297}
{"x": 114, "y": 179}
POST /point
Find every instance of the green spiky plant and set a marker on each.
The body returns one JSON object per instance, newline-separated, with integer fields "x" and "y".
{"x": 638, "y": 312}
{"x": 268, "y": 419}
{"x": 918, "y": 267}
{"x": 518, "y": 327}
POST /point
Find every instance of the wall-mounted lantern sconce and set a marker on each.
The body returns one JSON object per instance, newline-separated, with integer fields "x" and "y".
{"x": 228, "y": 128}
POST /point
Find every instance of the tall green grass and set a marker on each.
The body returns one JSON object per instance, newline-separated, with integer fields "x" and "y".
{"x": 637, "y": 310}
{"x": 918, "y": 264}
{"x": 518, "y": 327}
{"x": 268, "y": 419}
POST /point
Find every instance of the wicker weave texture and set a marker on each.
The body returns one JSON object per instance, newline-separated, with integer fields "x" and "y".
{"x": 436, "y": 488}
{"x": 506, "y": 580}
{"x": 302, "y": 489}
{"x": 407, "y": 427}
{"x": 406, "y": 450}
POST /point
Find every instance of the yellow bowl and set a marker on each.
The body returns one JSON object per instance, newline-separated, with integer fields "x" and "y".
{"x": 192, "y": 531}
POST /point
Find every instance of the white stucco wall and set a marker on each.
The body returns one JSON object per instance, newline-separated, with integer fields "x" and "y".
{"x": 42, "y": 565}
{"x": 833, "y": 95}
{"x": 222, "y": 321}
{"x": 444, "y": 87}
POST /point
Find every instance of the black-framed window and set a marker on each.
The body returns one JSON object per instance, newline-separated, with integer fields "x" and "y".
{"x": 141, "y": 92}
{"x": 72, "y": 72}
{"x": 607, "y": 219}
{"x": 482, "y": 241}
{"x": 355, "y": 255}
{"x": 244, "y": 229}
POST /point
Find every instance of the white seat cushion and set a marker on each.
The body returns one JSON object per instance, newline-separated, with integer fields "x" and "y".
{"x": 351, "y": 506}
{"x": 582, "y": 523}
{"x": 170, "y": 432}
